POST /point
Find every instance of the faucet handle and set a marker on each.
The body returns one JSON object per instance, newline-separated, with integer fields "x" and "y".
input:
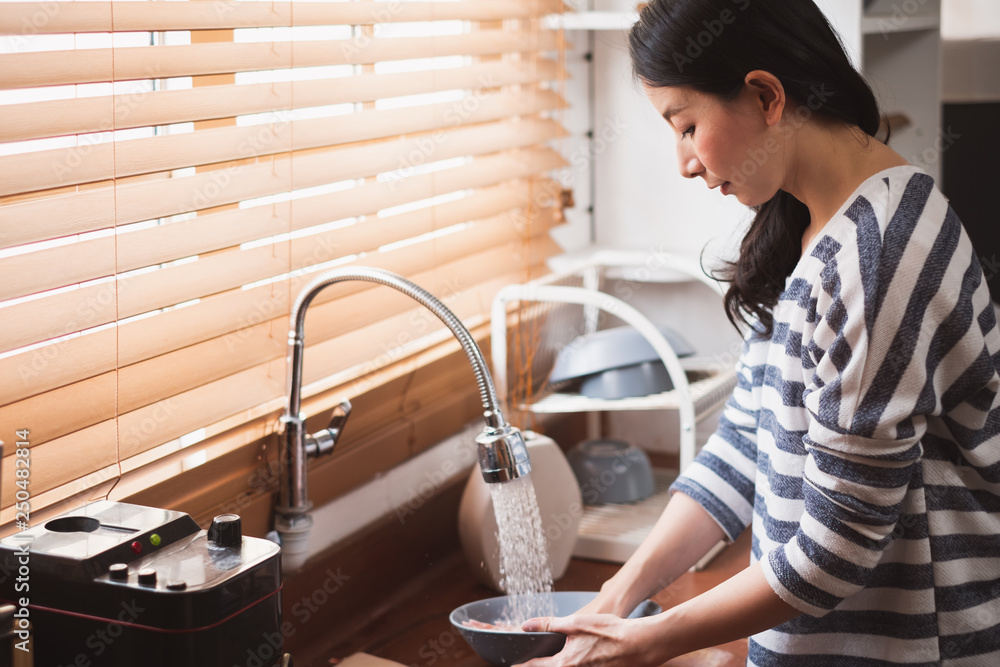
{"x": 322, "y": 442}
{"x": 339, "y": 417}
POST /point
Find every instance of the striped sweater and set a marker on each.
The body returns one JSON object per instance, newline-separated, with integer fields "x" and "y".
{"x": 862, "y": 442}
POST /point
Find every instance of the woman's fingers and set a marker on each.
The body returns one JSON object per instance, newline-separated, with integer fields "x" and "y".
{"x": 595, "y": 639}
{"x": 599, "y": 605}
{"x": 574, "y": 624}
{"x": 536, "y": 625}
{"x": 546, "y": 624}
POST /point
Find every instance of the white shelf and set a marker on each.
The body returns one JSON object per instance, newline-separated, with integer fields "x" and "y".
{"x": 877, "y": 25}
{"x": 635, "y": 265}
{"x": 707, "y": 394}
{"x": 701, "y": 384}
{"x": 612, "y": 533}
{"x": 591, "y": 20}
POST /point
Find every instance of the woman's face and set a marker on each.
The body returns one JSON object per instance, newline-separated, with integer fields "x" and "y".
{"x": 728, "y": 144}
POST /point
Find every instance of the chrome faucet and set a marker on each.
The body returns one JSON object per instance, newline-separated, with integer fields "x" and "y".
{"x": 503, "y": 455}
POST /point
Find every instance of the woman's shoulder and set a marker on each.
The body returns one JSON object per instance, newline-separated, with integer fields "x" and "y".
{"x": 885, "y": 192}
{"x": 897, "y": 207}
{"x": 896, "y": 223}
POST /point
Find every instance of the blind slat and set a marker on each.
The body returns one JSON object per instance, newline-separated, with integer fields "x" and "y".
{"x": 35, "y": 120}
{"x": 96, "y": 258}
{"x": 62, "y": 167}
{"x": 93, "y": 449}
{"x": 66, "y": 265}
{"x": 64, "y": 410}
{"x": 54, "y": 68}
{"x": 92, "y": 209}
{"x": 71, "y": 17}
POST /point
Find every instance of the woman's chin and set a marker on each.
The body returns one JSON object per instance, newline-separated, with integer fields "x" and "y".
{"x": 748, "y": 197}
{"x": 744, "y": 197}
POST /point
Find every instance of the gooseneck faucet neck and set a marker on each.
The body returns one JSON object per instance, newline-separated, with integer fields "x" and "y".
{"x": 491, "y": 405}
{"x": 502, "y": 453}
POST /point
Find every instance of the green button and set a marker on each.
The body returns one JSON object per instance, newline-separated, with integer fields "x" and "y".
{"x": 154, "y": 539}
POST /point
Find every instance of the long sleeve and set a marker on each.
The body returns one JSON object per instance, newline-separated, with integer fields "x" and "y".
{"x": 721, "y": 478}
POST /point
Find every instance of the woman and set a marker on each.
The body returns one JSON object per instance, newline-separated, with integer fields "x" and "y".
{"x": 861, "y": 443}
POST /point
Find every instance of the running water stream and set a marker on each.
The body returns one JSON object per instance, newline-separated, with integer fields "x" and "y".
{"x": 525, "y": 574}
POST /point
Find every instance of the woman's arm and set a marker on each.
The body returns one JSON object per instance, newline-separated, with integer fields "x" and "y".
{"x": 683, "y": 534}
{"x": 743, "y": 605}
{"x": 696, "y": 517}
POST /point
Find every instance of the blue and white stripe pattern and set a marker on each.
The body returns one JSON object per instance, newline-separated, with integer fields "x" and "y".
{"x": 862, "y": 442}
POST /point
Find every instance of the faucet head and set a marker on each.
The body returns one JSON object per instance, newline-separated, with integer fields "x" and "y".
{"x": 503, "y": 456}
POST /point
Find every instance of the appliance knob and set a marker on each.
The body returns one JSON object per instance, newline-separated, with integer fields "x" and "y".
{"x": 176, "y": 585}
{"x": 118, "y": 572}
{"x": 147, "y": 577}
{"x": 226, "y": 531}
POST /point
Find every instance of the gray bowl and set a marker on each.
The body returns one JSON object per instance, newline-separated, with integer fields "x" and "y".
{"x": 501, "y": 647}
{"x": 611, "y": 348}
{"x": 611, "y": 471}
{"x": 649, "y": 377}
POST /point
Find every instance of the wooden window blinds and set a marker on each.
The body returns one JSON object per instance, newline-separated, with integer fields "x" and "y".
{"x": 173, "y": 173}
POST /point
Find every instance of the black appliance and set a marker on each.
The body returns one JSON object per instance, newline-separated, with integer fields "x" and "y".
{"x": 116, "y": 585}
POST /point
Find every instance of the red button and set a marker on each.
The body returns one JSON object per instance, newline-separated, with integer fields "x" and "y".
{"x": 137, "y": 547}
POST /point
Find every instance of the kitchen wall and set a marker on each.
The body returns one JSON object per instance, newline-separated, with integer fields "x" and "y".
{"x": 641, "y": 201}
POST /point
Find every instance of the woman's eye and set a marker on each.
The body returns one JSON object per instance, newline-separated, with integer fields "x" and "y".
{"x": 688, "y": 132}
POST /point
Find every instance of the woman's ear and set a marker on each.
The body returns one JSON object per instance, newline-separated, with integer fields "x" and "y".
{"x": 768, "y": 93}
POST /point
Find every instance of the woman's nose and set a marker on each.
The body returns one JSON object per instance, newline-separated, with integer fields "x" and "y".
{"x": 690, "y": 165}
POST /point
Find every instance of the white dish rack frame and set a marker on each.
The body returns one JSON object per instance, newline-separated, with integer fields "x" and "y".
{"x": 613, "y": 532}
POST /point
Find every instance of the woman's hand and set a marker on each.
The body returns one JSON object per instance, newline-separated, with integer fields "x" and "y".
{"x": 600, "y": 639}
{"x": 743, "y": 605}
{"x": 604, "y": 603}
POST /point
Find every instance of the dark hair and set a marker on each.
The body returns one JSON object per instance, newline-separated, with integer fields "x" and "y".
{"x": 710, "y": 46}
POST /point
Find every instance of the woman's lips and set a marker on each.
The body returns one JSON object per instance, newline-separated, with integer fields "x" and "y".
{"x": 724, "y": 188}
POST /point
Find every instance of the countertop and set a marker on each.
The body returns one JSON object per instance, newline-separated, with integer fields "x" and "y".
{"x": 413, "y": 629}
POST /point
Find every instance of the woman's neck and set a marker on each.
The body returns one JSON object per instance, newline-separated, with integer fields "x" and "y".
{"x": 831, "y": 160}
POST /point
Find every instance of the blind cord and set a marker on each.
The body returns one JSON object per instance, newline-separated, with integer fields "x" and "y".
{"x": 114, "y": 199}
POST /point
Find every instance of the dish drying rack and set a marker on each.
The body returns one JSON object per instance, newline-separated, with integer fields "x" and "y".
{"x": 701, "y": 384}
